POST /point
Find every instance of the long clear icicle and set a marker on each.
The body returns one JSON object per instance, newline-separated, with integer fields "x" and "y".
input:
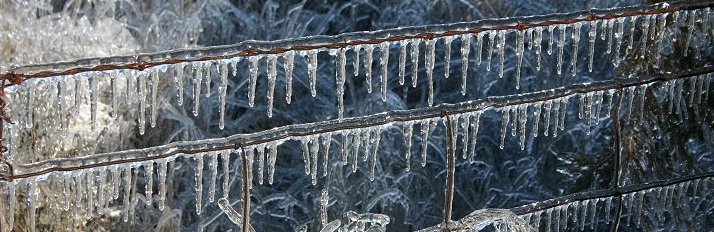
{"x": 226, "y": 158}
{"x": 618, "y": 40}
{"x": 223, "y": 66}
{"x": 447, "y": 55}
{"x": 93, "y": 95}
{"x": 154, "y": 94}
{"x": 288, "y": 62}
{"x": 505, "y": 113}
{"x": 474, "y": 136}
{"x": 561, "y": 46}
{"x": 425, "y": 124}
{"x": 501, "y": 51}
{"x": 538, "y": 44}
{"x": 591, "y": 39}
{"x": 272, "y": 157}
{"x": 253, "y": 68}
{"x": 576, "y": 44}
{"x": 199, "y": 183}
{"x": 429, "y": 63}
{"x": 408, "y": 129}
{"x": 402, "y": 59}
{"x": 519, "y": 57}
{"x": 368, "y": 51}
{"x": 340, "y": 82}
{"x": 142, "y": 103}
{"x": 213, "y": 168}
{"x": 197, "y": 79}
{"x": 415, "y": 60}
{"x": 491, "y": 38}
{"x": 161, "y": 172}
{"x": 384, "y": 63}
{"x": 312, "y": 71}
{"x": 272, "y": 75}
{"x": 179, "y": 82}
{"x": 479, "y": 48}
{"x": 465, "y": 49}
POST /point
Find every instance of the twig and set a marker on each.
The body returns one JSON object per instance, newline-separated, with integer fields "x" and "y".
{"x": 246, "y": 191}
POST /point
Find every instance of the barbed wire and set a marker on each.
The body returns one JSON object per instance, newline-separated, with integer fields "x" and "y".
{"x": 23, "y": 171}
{"x": 17, "y": 75}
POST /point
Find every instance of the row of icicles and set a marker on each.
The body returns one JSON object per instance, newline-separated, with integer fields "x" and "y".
{"x": 94, "y": 189}
{"x": 651, "y": 203}
{"x": 140, "y": 85}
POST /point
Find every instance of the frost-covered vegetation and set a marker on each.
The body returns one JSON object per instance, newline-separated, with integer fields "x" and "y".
{"x": 384, "y": 174}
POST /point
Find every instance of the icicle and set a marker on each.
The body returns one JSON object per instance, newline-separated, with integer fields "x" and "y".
{"x": 402, "y": 59}
{"x": 549, "y": 218}
{"x": 519, "y": 55}
{"x": 546, "y": 125}
{"x": 523, "y": 120}
{"x": 149, "y": 175}
{"x": 561, "y": 46}
{"x": 536, "y": 117}
{"x": 384, "y": 63}
{"x": 312, "y": 70}
{"x": 375, "y": 151}
{"x": 272, "y": 157}
{"x": 415, "y": 60}
{"x": 305, "y": 155}
{"x": 261, "y": 162}
{"x": 661, "y": 23}
{"x": 197, "y": 79}
{"x": 556, "y": 117}
{"x": 324, "y": 198}
{"x": 505, "y": 112}
{"x": 314, "y": 151}
{"x": 538, "y": 45}
{"x": 576, "y": 44}
{"x": 142, "y": 104}
{"x": 618, "y": 40}
{"x": 465, "y": 50}
{"x": 199, "y": 183}
{"x": 633, "y": 25}
{"x": 61, "y": 106}
{"x": 583, "y": 213}
{"x": 529, "y": 38}
{"x": 161, "y": 172}
{"x": 424, "y": 140}
{"x": 491, "y": 38}
{"x": 326, "y": 140}
{"x": 31, "y": 204}
{"x": 593, "y": 211}
{"x": 474, "y": 137}
{"x": 222, "y": 94}
{"x": 340, "y": 82}
{"x": 355, "y": 64}
{"x": 610, "y": 25}
{"x": 358, "y": 142}
{"x": 207, "y": 72}
{"x": 591, "y": 39}
{"x": 447, "y": 55}
{"x": 272, "y": 66}
{"x": 253, "y": 68}
{"x": 77, "y": 97}
{"x": 127, "y": 192}
{"x": 479, "y": 41}
{"x": 551, "y": 28}
{"x": 11, "y": 204}
{"x": 514, "y": 120}
{"x": 466, "y": 120}
{"x": 645, "y": 29}
{"x": 249, "y": 157}
{"x": 563, "y": 111}
{"x": 608, "y": 206}
{"x": 408, "y": 129}
{"x": 92, "y": 103}
{"x": 154, "y": 94}
{"x": 429, "y": 65}
{"x": 288, "y": 62}
{"x": 368, "y": 50}
{"x": 116, "y": 178}
{"x": 691, "y": 18}
{"x": 179, "y": 83}
{"x": 213, "y": 168}
{"x": 557, "y": 219}
{"x": 501, "y": 51}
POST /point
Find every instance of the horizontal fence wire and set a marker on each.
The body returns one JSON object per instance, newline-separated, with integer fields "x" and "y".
{"x": 24, "y": 171}
{"x": 17, "y": 75}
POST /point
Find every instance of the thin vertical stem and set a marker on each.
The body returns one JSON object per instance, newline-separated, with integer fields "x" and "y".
{"x": 450, "y": 176}
{"x": 246, "y": 192}
{"x": 618, "y": 155}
